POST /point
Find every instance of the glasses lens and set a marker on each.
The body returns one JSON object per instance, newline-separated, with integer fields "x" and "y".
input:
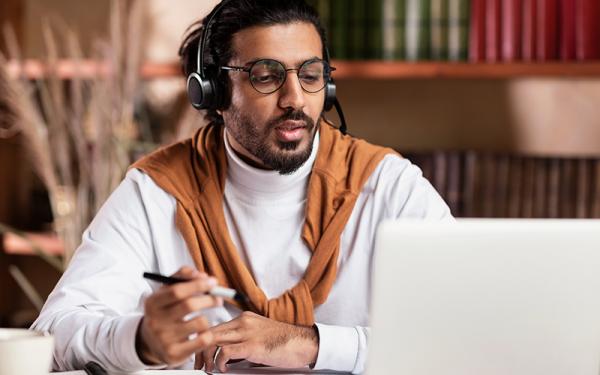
{"x": 313, "y": 75}
{"x": 267, "y": 76}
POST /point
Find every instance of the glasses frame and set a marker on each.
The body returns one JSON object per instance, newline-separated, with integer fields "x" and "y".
{"x": 326, "y": 74}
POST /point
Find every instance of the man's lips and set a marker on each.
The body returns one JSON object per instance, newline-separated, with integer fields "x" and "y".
{"x": 290, "y": 130}
{"x": 291, "y": 125}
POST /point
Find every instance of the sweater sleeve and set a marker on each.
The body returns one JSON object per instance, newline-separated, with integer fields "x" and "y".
{"x": 95, "y": 309}
{"x": 342, "y": 348}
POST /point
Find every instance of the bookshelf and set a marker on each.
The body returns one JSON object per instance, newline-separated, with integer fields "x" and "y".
{"x": 346, "y": 69}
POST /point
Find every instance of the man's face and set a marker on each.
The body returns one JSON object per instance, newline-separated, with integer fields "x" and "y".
{"x": 274, "y": 131}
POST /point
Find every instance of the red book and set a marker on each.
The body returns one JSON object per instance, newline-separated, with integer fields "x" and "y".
{"x": 567, "y": 29}
{"x": 529, "y": 23}
{"x": 547, "y": 30}
{"x": 512, "y": 18}
{"x": 477, "y": 31}
{"x": 587, "y": 38}
{"x": 493, "y": 23}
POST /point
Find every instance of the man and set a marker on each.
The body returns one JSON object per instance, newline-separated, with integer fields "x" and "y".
{"x": 269, "y": 199}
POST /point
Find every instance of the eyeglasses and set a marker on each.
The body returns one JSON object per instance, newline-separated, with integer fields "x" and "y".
{"x": 268, "y": 75}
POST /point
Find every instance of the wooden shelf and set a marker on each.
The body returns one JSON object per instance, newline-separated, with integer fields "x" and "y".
{"x": 368, "y": 69}
{"x": 49, "y": 242}
{"x": 434, "y": 70}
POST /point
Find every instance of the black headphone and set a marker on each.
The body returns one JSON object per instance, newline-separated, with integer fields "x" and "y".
{"x": 205, "y": 92}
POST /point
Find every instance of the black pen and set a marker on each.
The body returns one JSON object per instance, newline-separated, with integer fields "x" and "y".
{"x": 92, "y": 368}
{"x": 217, "y": 291}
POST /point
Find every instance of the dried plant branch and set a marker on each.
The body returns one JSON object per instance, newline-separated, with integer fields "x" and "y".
{"x": 27, "y": 288}
{"x": 80, "y": 134}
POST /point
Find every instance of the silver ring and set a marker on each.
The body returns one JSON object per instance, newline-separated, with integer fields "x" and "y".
{"x": 216, "y": 354}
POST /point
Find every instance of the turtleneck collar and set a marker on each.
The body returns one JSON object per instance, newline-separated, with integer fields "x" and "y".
{"x": 261, "y": 183}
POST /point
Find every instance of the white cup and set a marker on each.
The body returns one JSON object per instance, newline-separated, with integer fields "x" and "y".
{"x": 24, "y": 352}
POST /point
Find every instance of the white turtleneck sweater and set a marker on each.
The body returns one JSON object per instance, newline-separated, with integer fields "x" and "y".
{"x": 95, "y": 309}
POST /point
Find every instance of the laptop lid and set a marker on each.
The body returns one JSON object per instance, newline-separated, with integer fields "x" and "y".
{"x": 486, "y": 297}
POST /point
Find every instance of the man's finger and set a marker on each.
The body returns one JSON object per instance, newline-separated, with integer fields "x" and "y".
{"x": 229, "y": 336}
{"x": 228, "y": 352}
{"x": 198, "y": 361}
{"x": 182, "y": 332}
{"x": 172, "y": 294}
{"x": 201, "y": 342}
{"x": 209, "y": 358}
{"x": 187, "y": 272}
{"x": 178, "y": 311}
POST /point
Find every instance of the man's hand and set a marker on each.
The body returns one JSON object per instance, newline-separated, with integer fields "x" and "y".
{"x": 261, "y": 340}
{"x": 163, "y": 336}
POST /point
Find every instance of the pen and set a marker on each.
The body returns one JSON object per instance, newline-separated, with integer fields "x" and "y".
{"x": 217, "y": 291}
{"x": 92, "y": 368}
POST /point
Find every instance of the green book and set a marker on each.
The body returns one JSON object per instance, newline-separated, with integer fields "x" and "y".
{"x": 417, "y": 29}
{"x": 324, "y": 11}
{"x": 458, "y": 30}
{"x": 393, "y": 27}
{"x": 439, "y": 30}
{"x": 358, "y": 29}
{"x": 340, "y": 18}
{"x": 375, "y": 30}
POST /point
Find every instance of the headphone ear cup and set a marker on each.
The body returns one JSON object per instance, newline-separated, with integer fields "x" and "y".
{"x": 201, "y": 92}
{"x": 330, "y": 92}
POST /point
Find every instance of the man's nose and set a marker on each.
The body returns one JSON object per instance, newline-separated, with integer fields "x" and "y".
{"x": 291, "y": 93}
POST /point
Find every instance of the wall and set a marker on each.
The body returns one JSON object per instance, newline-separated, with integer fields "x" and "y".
{"x": 537, "y": 116}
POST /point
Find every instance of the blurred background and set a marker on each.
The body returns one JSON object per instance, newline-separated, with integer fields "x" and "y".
{"x": 498, "y": 101}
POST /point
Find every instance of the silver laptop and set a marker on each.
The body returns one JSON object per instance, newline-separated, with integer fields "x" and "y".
{"x": 486, "y": 297}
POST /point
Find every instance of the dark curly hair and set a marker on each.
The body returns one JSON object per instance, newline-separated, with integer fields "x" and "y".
{"x": 234, "y": 16}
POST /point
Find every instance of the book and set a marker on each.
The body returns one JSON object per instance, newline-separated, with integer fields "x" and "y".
{"x": 515, "y": 187}
{"x": 595, "y": 195}
{"x": 512, "y": 18}
{"x": 458, "y": 30}
{"x": 528, "y": 192}
{"x": 471, "y": 186}
{"x": 493, "y": 22}
{"x": 358, "y": 29}
{"x": 454, "y": 179}
{"x": 393, "y": 33}
{"x": 529, "y": 48}
{"x": 417, "y": 29}
{"x": 374, "y": 29}
{"x": 502, "y": 185}
{"x": 587, "y": 38}
{"x": 567, "y": 188}
{"x": 553, "y": 190}
{"x": 477, "y": 31}
{"x": 566, "y": 25}
{"x": 439, "y": 30}
{"x": 488, "y": 193}
{"x": 440, "y": 172}
{"x": 540, "y": 184}
{"x": 547, "y": 30}
{"x": 340, "y": 19}
{"x": 582, "y": 189}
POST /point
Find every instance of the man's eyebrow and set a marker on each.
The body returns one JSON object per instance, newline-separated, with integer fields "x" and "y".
{"x": 298, "y": 63}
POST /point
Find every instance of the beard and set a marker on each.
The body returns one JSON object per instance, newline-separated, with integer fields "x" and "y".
{"x": 283, "y": 157}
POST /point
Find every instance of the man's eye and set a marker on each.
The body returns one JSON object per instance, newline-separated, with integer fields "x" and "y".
{"x": 309, "y": 78}
{"x": 265, "y": 78}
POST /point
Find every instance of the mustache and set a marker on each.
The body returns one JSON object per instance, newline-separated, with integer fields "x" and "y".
{"x": 294, "y": 116}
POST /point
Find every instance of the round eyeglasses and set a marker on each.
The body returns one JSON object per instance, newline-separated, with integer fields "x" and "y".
{"x": 268, "y": 75}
